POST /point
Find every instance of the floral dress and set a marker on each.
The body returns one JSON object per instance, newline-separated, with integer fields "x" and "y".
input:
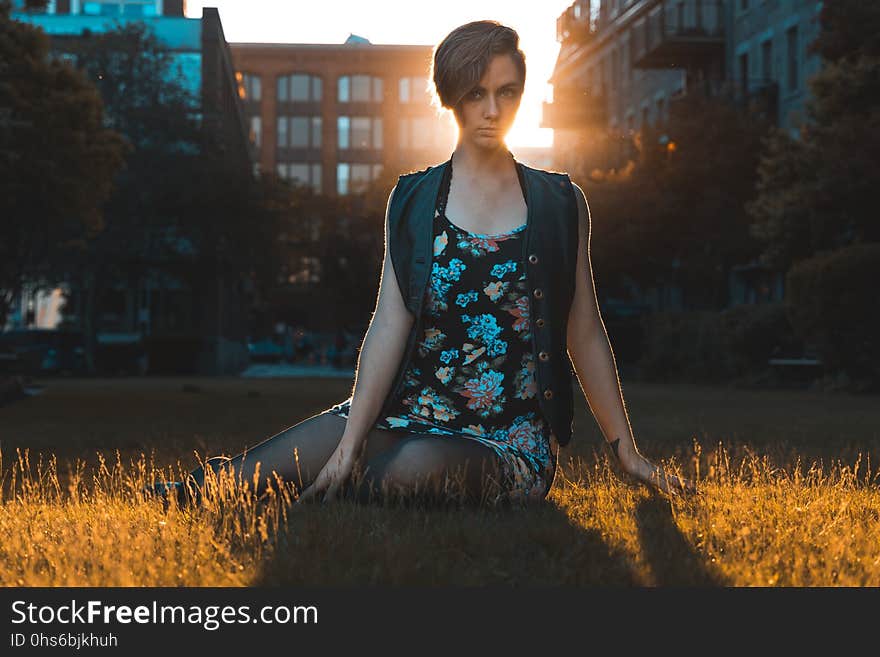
{"x": 472, "y": 375}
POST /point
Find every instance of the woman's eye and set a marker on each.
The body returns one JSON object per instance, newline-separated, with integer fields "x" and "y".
{"x": 507, "y": 92}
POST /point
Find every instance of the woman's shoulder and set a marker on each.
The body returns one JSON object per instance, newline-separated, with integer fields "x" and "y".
{"x": 418, "y": 173}
{"x": 550, "y": 173}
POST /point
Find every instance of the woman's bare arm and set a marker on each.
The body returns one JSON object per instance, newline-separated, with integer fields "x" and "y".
{"x": 381, "y": 350}
{"x": 590, "y": 351}
{"x": 380, "y": 355}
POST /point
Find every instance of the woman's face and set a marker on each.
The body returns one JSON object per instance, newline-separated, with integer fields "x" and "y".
{"x": 487, "y": 111}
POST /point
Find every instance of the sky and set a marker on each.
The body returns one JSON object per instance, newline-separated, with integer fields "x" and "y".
{"x": 406, "y": 22}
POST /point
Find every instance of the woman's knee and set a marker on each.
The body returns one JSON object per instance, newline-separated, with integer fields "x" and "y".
{"x": 299, "y": 451}
{"x": 424, "y": 465}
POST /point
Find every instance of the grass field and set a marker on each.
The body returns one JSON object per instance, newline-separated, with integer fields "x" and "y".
{"x": 790, "y": 496}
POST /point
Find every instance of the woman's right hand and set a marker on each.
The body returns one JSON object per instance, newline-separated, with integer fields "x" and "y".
{"x": 334, "y": 473}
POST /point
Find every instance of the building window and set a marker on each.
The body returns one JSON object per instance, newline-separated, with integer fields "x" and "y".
{"x": 359, "y": 88}
{"x": 251, "y": 85}
{"x": 413, "y": 89}
{"x": 317, "y": 124}
{"x": 298, "y": 134}
{"x": 138, "y": 10}
{"x": 359, "y": 132}
{"x": 791, "y": 36}
{"x": 301, "y": 173}
{"x": 101, "y": 8}
{"x": 281, "y": 132}
{"x": 744, "y": 72}
{"x": 377, "y": 133}
{"x": 660, "y": 110}
{"x": 298, "y": 88}
{"x": 299, "y": 131}
{"x": 256, "y": 130}
{"x": 352, "y": 178}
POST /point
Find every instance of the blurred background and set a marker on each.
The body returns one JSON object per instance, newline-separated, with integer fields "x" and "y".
{"x": 194, "y": 190}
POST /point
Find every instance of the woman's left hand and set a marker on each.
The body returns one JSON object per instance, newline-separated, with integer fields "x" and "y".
{"x": 636, "y": 465}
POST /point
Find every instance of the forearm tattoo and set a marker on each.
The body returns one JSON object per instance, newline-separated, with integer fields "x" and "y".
{"x": 614, "y": 445}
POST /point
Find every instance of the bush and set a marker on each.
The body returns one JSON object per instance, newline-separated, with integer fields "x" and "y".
{"x": 116, "y": 358}
{"x": 833, "y": 302}
{"x": 173, "y": 354}
{"x": 712, "y": 347}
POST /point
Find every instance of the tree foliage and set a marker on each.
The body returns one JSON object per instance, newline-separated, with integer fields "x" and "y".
{"x": 181, "y": 206}
{"x": 816, "y": 192}
{"x": 675, "y": 212}
{"x": 57, "y": 156}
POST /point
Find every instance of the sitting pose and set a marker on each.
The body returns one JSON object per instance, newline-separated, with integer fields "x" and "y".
{"x": 463, "y": 389}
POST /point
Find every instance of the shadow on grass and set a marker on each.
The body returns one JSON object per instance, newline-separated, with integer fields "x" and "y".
{"x": 346, "y": 544}
{"x": 672, "y": 559}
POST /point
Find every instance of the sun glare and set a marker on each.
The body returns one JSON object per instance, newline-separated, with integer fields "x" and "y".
{"x": 281, "y": 21}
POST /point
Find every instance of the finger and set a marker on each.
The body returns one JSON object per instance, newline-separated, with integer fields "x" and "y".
{"x": 309, "y": 493}
{"x": 304, "y": 495}
{"x": 666, "y": 483}
{"x": 330, "y": 495}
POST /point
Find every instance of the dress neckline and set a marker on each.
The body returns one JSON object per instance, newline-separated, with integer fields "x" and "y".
{"x": 513, "y": 231}
{"x": 444, "y": 196}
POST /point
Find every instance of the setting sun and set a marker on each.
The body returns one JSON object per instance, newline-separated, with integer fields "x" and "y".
{"x": 277, "y": 21}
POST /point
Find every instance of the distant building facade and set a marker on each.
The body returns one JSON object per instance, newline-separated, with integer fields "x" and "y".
{"x": 332, "y": 116}
{"x": 124, "y": 9}
{"x": 623, "y": 62}
{"x": 160, "y": 303}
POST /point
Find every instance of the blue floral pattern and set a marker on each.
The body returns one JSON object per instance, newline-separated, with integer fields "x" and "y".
{"x": 473, "y": 372}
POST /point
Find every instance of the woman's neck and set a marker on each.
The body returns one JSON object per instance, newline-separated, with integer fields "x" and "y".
{"x": 482, "y": 164}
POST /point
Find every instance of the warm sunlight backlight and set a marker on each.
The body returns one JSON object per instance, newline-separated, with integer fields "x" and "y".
{"x": 282, "y": 21}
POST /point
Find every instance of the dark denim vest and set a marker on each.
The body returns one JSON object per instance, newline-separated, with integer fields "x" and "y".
{"x": 550, "y": 244}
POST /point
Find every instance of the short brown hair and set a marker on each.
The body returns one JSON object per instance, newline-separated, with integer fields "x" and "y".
{"x": 461, "y": 59}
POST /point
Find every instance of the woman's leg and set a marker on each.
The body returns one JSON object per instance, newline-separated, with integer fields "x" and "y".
{"x": 433, "y": 470}
{"x": 314, "y": 440}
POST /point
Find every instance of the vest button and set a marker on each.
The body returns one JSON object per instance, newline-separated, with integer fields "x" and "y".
{"x": 538, "y": 293}
{"x": 540, "y": 322}
{"x": 548, "y": 394}
{"x": 533, "y": 258}
{"x": 544, "y": 355}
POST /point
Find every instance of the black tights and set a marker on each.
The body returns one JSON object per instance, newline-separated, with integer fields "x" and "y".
{"x": 393, "y": 465}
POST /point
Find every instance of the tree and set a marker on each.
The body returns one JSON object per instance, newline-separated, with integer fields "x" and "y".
{"x": 675, "y": 213}
{"x": 332, "y": 253}
{"x": 180, "y": 206}
{"x": 57, "y": 157}
{"x": 814, "y": 193}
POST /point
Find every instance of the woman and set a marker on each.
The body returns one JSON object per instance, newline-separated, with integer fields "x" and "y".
{"x": 463, "y": 419}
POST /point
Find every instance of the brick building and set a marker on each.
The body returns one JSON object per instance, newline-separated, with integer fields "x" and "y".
{"x": 332, "y": 116}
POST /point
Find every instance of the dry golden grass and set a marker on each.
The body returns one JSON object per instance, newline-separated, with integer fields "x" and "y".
{"x": 789, "y": 497}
